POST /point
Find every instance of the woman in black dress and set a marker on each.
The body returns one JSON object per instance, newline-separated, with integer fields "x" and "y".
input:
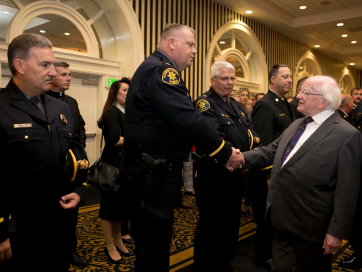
{"x": 110, "y": 213}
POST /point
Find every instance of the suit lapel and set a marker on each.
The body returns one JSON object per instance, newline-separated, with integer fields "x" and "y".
{"x": 241, "y": 114}
{"x": 218, "y": 100}
{"x": 282, "y": 105}
{"x": 326, "y": 128}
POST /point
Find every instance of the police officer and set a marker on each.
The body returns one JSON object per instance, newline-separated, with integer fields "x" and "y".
{"x": 36, "y": 132}
{"x": 61, "y": 83}
{"x": 161, "y": 126}
{"x": 219, "y": 191}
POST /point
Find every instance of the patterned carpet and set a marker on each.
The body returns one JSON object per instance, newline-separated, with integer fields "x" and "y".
{"x": 91, "y": 243}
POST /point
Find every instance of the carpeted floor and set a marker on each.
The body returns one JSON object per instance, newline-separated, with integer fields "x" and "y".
{"x": 91, "y": 242}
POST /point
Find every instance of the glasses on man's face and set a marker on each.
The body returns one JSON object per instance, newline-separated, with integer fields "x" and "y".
{"x": 303, "y": 91}
{"x": 224, "y": 79}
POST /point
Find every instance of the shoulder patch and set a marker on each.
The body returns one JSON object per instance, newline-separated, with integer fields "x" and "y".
{"x": 202, "y": 105}
{"x": 170, "y": 76}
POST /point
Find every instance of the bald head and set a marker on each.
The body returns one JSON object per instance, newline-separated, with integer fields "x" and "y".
{"x": 347, "y": 103}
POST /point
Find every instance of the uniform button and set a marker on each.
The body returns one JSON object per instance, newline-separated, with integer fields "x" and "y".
{"x": 228, "y": 123}
{"x": 26, "y": 137}
{"x": 170, "y": 164}
{"x": 70, "y": 134}
{"x": 359, "y": 127}
{"x": 239, "y": 121}
{"x": 216, "y": 161}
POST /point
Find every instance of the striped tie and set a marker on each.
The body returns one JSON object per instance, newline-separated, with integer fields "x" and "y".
{"x": 296, "y": 137}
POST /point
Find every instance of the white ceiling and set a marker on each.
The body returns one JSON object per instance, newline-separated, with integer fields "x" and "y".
{"x": 317, "y": 24}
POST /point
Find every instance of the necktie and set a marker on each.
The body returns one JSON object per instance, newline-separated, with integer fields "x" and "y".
{"x": 296, "y": 137}
{"x": 35, "y": 101}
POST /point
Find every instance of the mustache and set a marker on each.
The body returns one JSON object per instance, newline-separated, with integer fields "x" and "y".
{"x": 50, "y": 78}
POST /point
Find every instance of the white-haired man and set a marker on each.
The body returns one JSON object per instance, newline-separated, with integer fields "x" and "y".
{"x": 220, "y": 191}
{"x": 315, "y": 180}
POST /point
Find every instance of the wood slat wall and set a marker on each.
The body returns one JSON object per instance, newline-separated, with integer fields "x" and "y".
{"x": 206, "y": 17}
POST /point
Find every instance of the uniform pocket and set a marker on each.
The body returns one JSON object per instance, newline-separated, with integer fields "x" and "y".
{"x": 66, "y": 136}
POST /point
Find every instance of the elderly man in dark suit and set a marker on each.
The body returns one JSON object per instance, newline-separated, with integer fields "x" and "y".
{"x": 315, "y": 180}
{"x": 271, "y": 115}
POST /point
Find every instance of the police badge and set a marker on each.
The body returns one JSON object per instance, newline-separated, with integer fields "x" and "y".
{"x": 63, "y": 119}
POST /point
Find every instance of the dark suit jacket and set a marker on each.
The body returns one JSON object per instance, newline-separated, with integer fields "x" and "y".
{"x": 356, "y": 120}
{"x": 316, "y": 191}
{"x": 343, "y": 115}
{"x": 78, "y": 119}
{"x": 271, "y": 116}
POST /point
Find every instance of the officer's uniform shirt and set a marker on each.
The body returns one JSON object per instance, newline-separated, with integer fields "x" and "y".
{"x": 343, "y": 115}
{"x": 33, "y": 158}
{"x": 78, "y": 119}
{"x": 161, "y": 119}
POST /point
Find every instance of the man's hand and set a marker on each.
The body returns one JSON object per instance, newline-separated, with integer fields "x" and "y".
{"x": 235, "y": 160}
{"x": 331, "y": 244}
{"x": 5, "y": 251}
{"x": 70, "y": 201}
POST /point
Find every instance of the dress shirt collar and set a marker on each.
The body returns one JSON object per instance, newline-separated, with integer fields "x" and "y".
{"x": 119, "y": 107}
{"x": 322, "y": 116}
{"x": 282, "y": 98}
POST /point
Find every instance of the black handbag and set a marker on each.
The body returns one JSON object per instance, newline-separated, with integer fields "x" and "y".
{"x": 103, "y": 175}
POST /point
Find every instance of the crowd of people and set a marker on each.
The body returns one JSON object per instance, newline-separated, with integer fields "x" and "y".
{"x": 299, "y": 161}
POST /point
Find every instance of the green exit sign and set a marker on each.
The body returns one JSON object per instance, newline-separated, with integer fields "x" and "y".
{"x": 110, "y": 81}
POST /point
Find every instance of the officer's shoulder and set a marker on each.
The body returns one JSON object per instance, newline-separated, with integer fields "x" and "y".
{"x": 204, "y": 102}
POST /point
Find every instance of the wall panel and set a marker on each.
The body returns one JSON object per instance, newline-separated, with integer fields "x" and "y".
{"x": 207, "y": 17}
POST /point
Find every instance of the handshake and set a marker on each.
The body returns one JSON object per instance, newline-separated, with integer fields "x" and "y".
{"x": 236, "y": 159}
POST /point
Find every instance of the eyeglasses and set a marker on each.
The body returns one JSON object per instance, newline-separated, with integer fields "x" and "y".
{"x": 303, "y": 92}
{"x": 224, "y": 79}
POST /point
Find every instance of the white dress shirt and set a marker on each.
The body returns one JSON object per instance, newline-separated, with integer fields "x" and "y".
{"x": 318, "y": 119}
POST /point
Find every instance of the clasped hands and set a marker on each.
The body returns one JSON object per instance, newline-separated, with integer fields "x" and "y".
{"x": 235, "y": 160}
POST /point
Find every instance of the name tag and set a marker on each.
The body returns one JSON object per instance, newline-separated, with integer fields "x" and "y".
{"x": 23, "y": 125}
{"x": 282, "y": 114}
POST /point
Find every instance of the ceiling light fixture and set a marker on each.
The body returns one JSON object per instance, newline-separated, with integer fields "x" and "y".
{"x": 344, "y": 35}
{"x": 302, "y": 7}
{"x": 6, "y": 12}
{"x": 340, "y": 24}
{"x": 248, "y": 12}
{"x": 42, "y": 31}
{"x": 317, "y": 45}
{"x": 352, "y": 63}
{"x": 300, "y": 67}
{"x": 222, "y": 42}
{"x": 353, "y": 41}
{"x": 66, "y": 33}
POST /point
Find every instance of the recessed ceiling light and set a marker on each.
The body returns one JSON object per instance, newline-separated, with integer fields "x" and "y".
{"x": 222, "y": 42}
{"x": 302, "y": 7}
{"x": 42, "y": 31}
{"x": 344, "y": 35}
{"x": 340, "y": 24}
{"x": 215, "y": 58}
{"x": 352, "y": 63}
{"x": 6, "y": 12}
{"x": 300, "y": 67}
{"x": 353, "y": 41}
{"x": 317, "y": 45}
{"x": 248, "y": 12}
{"x": 66, "y": 33}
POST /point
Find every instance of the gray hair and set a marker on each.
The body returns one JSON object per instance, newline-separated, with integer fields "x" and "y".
{"x": 328, "y": 87}
{"x": 20, "y": 47}
{"x": 215, "y": 68}
{"x": 61, "y": 64}
{"x": 345, "y": 99}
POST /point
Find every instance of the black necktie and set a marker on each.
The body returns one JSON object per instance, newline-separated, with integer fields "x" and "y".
{"x": 35, "y": 101}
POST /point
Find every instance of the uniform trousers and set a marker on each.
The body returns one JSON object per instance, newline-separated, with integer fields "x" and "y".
{"x": 152, "y": 215}
{"x": 293, "y": 254}
{"x": 219, "y": 197}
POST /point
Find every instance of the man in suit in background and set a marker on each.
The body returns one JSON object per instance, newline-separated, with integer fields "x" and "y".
{"x": 294, "y": 103}
{"x": 315, "y": 180}
{"x": 346, "y": 107}
{"x": 356, "y": 94}
{"x": 271, "y": 115}
{"x": 61, "y": 83}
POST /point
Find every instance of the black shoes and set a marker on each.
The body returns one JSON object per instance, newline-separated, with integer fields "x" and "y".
{"x": 78, "y": 260}
{"x": 127, "y": 254}
{"x": 120, "y": 261}
{"x": 352, "y": 262}
{"x": 128, "y": 241}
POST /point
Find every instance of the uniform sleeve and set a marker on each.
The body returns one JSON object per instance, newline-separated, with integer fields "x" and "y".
{"x": 112, "y": 127}
{"x": 262, "y": 118}
{"x": 82, "y": 135}
{"x": 347, "y": 188}
{"x": 169, "y": 99}
{"x": 3, "y": 225}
